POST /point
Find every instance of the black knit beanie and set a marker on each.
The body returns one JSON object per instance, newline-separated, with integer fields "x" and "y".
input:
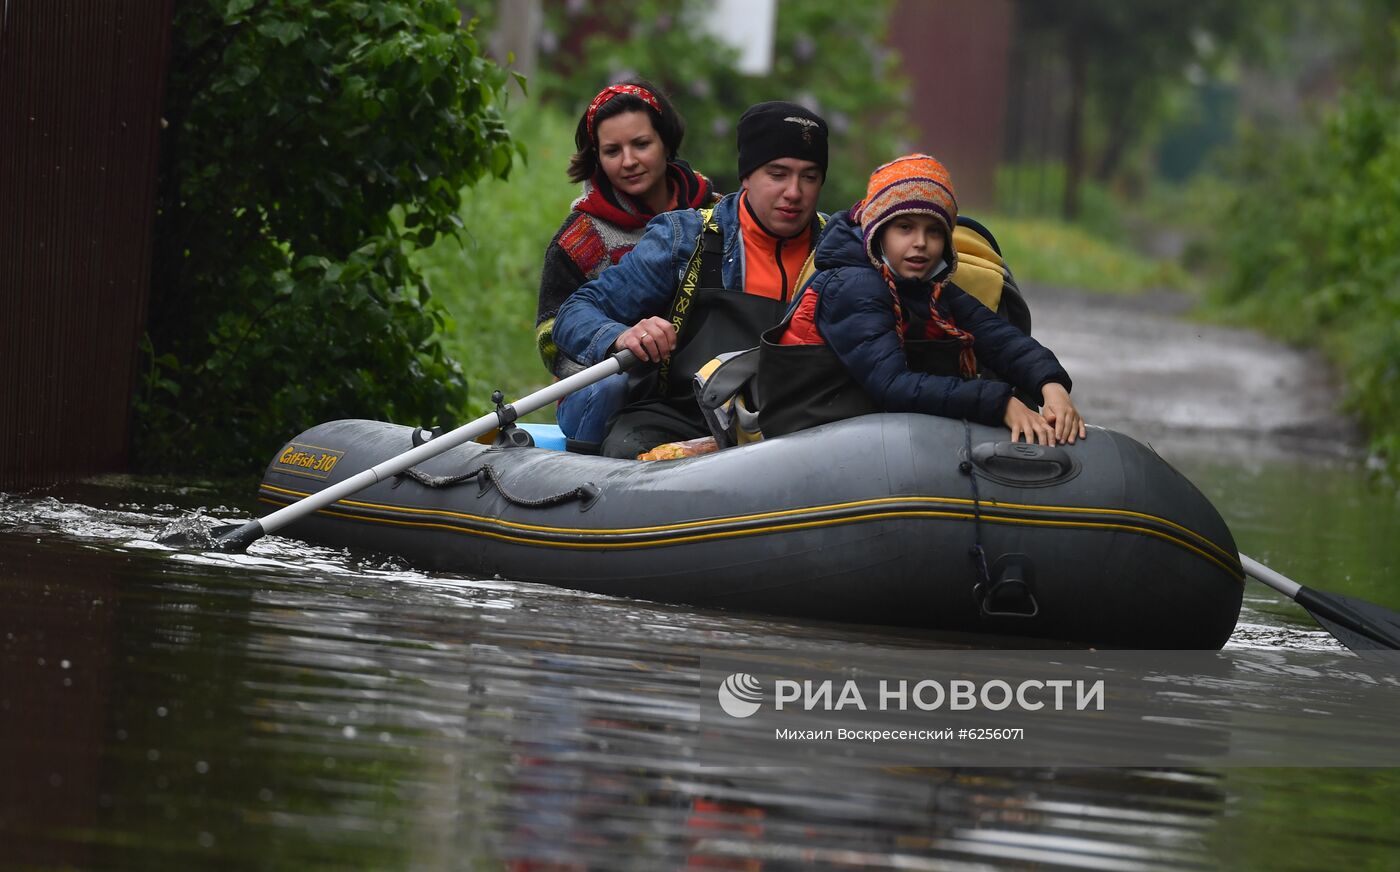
{"x": 769, "y": 131}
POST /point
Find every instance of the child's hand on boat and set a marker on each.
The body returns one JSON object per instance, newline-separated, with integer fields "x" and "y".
{"x": 1060, "y": 413}
{"x": 1023, "y": 422}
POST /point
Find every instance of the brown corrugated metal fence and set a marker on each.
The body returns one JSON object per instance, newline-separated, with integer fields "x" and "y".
{"x": 80, "y": 96}
{"x": 955, "y": 54}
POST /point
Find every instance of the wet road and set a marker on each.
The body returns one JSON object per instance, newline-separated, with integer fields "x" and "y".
{"x": 1186, "y": 387}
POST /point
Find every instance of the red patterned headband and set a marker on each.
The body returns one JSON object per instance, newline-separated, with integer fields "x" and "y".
{"x": 612, "y": 91}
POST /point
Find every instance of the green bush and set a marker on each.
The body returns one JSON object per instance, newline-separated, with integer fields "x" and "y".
{"x": 488, "y": 278}
{"x": 1311, "y": 248}
{"x": 312, "y": 146}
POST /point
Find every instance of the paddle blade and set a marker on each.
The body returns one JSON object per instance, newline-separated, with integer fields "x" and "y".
{"x": 193, "y": 531}
{"x": 237, "y": 539}
{"x": 224, "y": 537}
{"x": 1357, "y": 624}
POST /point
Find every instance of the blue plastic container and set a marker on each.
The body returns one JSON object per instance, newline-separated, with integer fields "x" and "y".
{"x": 545, "y": 435}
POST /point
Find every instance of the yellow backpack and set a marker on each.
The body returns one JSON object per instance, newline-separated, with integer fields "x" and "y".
{"x": 983, "y": 273}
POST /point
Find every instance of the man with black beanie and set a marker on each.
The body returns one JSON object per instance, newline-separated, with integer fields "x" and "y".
{"x": 704, "y": 281}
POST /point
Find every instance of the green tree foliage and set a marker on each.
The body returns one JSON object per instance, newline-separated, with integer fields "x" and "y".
{"x": 488, "y": 277}
{"x": 312, "y": 146}
{"x": 1359, "y": 39}
{"x": 828, "y": 54}
{"x": 1122, "y": 63}
{"x": 1311, "y": 245}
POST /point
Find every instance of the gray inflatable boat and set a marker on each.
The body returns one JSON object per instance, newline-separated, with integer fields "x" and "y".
{"x": 908, "y": 520}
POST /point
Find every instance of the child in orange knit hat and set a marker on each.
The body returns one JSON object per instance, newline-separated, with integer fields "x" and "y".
{"x": 882, "y": 327}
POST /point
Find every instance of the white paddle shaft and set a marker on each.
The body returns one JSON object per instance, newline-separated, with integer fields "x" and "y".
{"x": 1259, "y": 572}
{"x": 447, "y": 441}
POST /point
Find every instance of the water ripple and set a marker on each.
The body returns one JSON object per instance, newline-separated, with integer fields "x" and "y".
{"x": 334, "y": 709}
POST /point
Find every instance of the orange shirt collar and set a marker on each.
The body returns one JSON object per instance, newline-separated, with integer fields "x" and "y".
{"x": 765, "y": 272}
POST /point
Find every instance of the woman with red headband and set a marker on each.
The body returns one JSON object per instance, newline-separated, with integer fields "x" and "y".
{"x": 628, "y": 142}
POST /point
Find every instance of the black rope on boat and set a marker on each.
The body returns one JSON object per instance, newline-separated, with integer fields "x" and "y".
{"x": 1011, "y": 595}
{"x": 976, "y": 552}
{"x": 486, "y": 476}
{"x": 586, "y": 493}
{"x": 436, "y": 481}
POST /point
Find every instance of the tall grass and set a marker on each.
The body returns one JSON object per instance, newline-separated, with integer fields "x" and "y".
{"x": 1050, "y": 252}
{"x": 489, "y": 281}
{"x": 1037, "y": 190}
{"x": 1097, "y": 252}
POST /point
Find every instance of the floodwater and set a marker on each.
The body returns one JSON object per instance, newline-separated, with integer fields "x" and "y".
{"x": 304, "y": 708}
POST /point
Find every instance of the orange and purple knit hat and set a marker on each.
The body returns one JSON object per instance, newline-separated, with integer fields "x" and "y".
{"x": 912, "y": 184}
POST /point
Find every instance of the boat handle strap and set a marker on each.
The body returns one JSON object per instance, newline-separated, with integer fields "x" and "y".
{"x": 486, "y": 476}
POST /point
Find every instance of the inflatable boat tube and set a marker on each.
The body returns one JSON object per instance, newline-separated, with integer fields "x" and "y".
{"x": 908, "y": 520}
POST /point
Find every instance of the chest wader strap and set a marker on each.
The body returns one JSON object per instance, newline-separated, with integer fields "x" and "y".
{"x": 703, "y": 271}
{"x": 809, "y": 266}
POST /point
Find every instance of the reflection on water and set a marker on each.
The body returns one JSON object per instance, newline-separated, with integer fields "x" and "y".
{"x": 306, "y": 708}
{"x": 1319, "y": 521}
